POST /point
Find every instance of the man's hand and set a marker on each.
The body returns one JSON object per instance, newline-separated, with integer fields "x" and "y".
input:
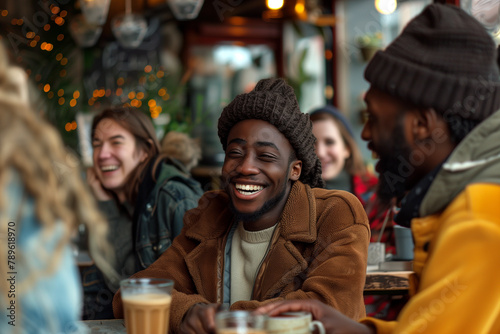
{"x": 96, "y": 186}
{"x": 200, "y": 319}
{"x": 334, "y": 321}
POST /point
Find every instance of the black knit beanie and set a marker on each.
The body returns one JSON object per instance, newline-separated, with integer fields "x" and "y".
{"x": 274, "y": 101}
{"x": 443, "y": 59}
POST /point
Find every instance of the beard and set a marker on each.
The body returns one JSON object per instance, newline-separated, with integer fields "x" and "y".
{"x": 394, "y": 167}
{"x": 266, "y": 207}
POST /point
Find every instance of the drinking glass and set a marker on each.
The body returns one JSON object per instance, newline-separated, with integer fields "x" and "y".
{"x": 146, "y": 304}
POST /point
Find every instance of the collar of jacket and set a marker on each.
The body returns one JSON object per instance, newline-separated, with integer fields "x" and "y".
{"x": 213, "y": 207}
{"x": 475, "y": 160}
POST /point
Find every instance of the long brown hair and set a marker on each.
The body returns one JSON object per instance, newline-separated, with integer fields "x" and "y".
{"x": 354, "y": 165}
{"x": 141, "y": 127}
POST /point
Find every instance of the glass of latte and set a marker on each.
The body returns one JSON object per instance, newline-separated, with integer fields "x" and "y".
{"x": 146, "y": 304}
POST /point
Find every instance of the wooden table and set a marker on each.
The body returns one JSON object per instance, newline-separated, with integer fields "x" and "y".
{"x": 387, "y": 282}
{"x": 114, "y": 326}
{"x": 377, "y": 283}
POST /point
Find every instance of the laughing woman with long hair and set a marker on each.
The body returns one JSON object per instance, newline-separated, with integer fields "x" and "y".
{"x": 142, "y": 193}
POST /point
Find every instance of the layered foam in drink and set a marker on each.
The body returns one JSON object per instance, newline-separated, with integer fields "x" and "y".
{"x": 241, "y": 331}
{"x": 147, "y": 313}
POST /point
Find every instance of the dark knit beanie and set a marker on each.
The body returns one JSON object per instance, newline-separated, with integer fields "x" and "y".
{"x": 274, "y": 101}
{"x": 443, "y": 59}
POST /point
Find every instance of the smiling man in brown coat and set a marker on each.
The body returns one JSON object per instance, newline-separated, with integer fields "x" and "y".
{"x": 271, "y": 234}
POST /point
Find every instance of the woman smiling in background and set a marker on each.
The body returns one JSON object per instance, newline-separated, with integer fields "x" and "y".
{"x": 143, "y": 194}
{"x": 343, "y": 168}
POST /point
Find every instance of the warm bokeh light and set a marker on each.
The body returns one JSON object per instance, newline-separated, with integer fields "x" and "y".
{"x": 67, "y": 127}
{"x": 60, "y": 37}
{"x": 160, "y": 74}
{"x": 162, "y": 92}
{"x": 131, "y": 95}
{"x": 328, "y": 54}
{"x": 148, "y": 68}
{"x": 59, "y": 21}
{"x": 63, "y": 13}
{"x": 46, "y": 27}
{"x": 46, "y": 88}
{"x": 5, "y": 12}
{"x": 59, "y": 56}
{"x": 33, "y": 44}
{"x": 300, "y": 8}
{"x": 62, "y": 73}
{"x": 60, "y": 92}
{"x": 73, "y": 125}
{"x": 64, "y": 61}
{"x": 274, "y": 4}
{"x": 76, "y": 94}
{"x": 119, "y": 92}
{"x": 152, "y": 103}
{"x": 386, "y": 6}
{"x": 30, "y": 34}
{"x": 55, "y": 10}
{"x": 120, "y": 81}
{"x": 140, "y": 95}
{"x": 61, "y": 101}
{"x": 50, "y": 95}
{"x": 46, "y": 46}
{"x": 72, "y": 103}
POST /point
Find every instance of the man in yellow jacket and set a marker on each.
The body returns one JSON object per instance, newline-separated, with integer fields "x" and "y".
{"x": 434, "y": 123}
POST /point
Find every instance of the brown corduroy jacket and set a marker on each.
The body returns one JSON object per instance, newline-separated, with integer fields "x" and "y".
{"x": 318, "y": 251}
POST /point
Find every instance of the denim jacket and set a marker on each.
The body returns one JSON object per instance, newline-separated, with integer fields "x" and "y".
{"x": 156, "y": 220}
{"x": 160, "y": 217}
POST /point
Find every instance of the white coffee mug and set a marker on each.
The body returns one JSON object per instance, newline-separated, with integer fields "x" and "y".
{"x": 293, "y": 323}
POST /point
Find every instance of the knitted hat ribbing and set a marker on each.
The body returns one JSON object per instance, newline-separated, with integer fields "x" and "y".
{"x": 443, "y": 59}
{"x": 274, "y": 101}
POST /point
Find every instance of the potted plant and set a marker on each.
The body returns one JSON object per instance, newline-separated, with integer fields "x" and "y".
{"x": 369, "y": 44}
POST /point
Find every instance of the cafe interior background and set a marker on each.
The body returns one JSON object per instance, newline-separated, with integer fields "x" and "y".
{"x": 181, "y": 61}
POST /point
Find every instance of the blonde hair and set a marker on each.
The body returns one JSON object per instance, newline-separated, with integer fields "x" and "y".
{"x": 32, "y": 149}
{"x": 180, "y": 146}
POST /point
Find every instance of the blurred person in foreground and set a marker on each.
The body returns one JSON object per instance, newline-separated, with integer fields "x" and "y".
{"x": 42, "y": 201}
{"x": 272, "y": 233}
{"x": 433, "y": 121}
{"x": 343, "y": 168}
{"x": 142, "y": 192}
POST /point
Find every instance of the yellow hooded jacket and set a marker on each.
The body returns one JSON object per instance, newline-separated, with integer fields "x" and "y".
{"x": 457, "y": 244}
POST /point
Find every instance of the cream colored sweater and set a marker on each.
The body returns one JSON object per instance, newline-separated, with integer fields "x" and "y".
{"x": 248, "y": 248}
